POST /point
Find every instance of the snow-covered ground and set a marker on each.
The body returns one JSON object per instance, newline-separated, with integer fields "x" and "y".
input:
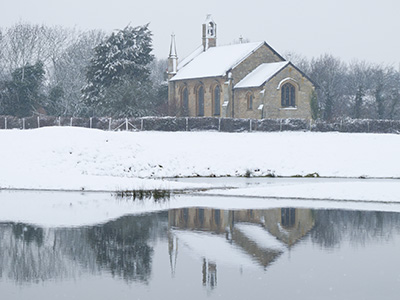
{"x": 79, "y": 159}
{"x": 350, "y": 190}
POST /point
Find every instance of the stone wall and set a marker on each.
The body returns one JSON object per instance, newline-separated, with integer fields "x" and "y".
{"x": 192, "y": 85}
{"x": 203, "y": 124}
{"x": 303, "y": 88}
{"x": 264, "y": 54}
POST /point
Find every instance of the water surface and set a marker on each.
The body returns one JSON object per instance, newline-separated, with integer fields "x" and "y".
{"x": 199, "y": 252}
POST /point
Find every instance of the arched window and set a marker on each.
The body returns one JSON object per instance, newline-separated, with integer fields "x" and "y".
{"x": 200, "y": 101}
{"x": 185, "y": 101}
{"x": 288, "y": 96}
{"x": 250, "y": 98}
{"x": 217, "y": 101}
{"x": 288, "y": 217}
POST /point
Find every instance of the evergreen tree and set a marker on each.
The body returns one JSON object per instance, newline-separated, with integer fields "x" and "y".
{"x": 358, "y": 102}
{"x": 379, "y": 99}
{"x": 122, "y": 58}
{"x": 314, "y": 105}
{"x": 21, "y": 95}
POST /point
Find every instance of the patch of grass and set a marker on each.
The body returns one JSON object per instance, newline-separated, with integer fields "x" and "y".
{"x": 314, "y": 175}
{"x": 248, "y": 173}
{"x": 156, "y": 195}
{"x": 270, "y": 174}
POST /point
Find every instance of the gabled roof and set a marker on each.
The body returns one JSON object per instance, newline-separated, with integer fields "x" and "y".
{"x": 191, "y": 56}
{"x": 214, "y": 62}
{"x": 261, "y": 74}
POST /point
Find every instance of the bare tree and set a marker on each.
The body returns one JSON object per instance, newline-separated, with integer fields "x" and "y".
{"x": 328, "y": 73}
{"x": 69, "y": 74}
{"x": 298, "y": 60}
{"x": 357, "y": 87}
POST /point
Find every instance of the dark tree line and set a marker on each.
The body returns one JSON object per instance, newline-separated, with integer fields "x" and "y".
{"x": 66, "y": 72}
{"x": 356, "y": 90}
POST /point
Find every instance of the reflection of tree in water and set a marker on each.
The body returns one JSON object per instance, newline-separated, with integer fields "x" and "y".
{"x": 334, "y": 226}
{"x": 28, "y": 233}
{"x": 121, "y": 246}
{"x": 30, "y": 254}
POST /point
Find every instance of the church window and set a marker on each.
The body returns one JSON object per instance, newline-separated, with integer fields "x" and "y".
{"x": 288, "y": 217}
{"x": 288, "y": 96}
{"x": 217, "y": 217}
{"x": 200, "y": 101}
{"x": 250, "y": 98}
{"x": 185, "y": 101}
{"x": 217, "y": 101}
{"x": 201, "y": 216}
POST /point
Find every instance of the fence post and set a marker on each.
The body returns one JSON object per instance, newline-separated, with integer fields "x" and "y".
{"x": 251, "y": 123}
{"x": 187, "y": 124}
{"x": 109, "y": 124}
{"x": 23, "y": 123}
{"x": 38, "y": 122}
{"x": 5, "y": 122}
{"x": 219, "y": 124}
{"x": 126, "y": 124}
{"x": 70, "y": 122}
{"x": 141, "y": 124}
{"x": 310, "y": 124}
{"x": 90, "y": 122}
{"x": 280, "y": 125}
{"x": 368, "y": 126}
{"x": 59, "y": 121}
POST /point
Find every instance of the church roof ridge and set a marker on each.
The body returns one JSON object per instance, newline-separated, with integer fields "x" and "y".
{"x": 215, "y": 61}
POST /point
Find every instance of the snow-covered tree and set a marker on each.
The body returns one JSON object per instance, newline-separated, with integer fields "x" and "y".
{"x": 122, "y": 58}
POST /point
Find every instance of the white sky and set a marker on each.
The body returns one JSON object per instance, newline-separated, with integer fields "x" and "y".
{"x": 348, "y": 29}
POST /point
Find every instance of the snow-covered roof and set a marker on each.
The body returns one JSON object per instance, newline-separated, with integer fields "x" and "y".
{"x": 213, "y": 247}
{"x": 189, "y": 58}
{"x": 214, "y": 62}
{"x": 261, "y": 74}
{"x": 260, "y": 237}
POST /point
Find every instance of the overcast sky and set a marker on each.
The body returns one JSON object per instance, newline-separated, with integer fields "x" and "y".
{"x": 348, "y": 29}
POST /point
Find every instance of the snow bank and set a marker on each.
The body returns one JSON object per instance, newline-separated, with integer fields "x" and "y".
{"x": 360, "y": 190}
{"x": 68, "y": 158}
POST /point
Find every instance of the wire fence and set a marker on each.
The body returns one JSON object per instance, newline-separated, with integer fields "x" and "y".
{"x": 202, "y": 124}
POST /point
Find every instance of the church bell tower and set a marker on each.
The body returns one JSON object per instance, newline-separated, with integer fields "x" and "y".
{"x": 209, "y": 33}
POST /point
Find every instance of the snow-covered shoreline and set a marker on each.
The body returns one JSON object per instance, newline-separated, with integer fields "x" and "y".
{"x": 79, "y": 159}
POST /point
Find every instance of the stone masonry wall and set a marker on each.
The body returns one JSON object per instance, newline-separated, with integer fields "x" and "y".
{"x": 303, "y": 88}
{"x": 192, "y": 85}
{"x": 264, "y": 54}
{"x": 270, "y": 96}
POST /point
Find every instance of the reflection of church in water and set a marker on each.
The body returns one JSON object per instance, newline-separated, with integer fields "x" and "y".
{"x": 262, "y": 235}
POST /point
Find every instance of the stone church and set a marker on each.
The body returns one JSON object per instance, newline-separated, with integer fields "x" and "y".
{"x": 245, "y": 80}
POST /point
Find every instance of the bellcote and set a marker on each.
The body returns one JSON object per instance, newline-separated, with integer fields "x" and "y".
{"x": 209, "y": 33}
